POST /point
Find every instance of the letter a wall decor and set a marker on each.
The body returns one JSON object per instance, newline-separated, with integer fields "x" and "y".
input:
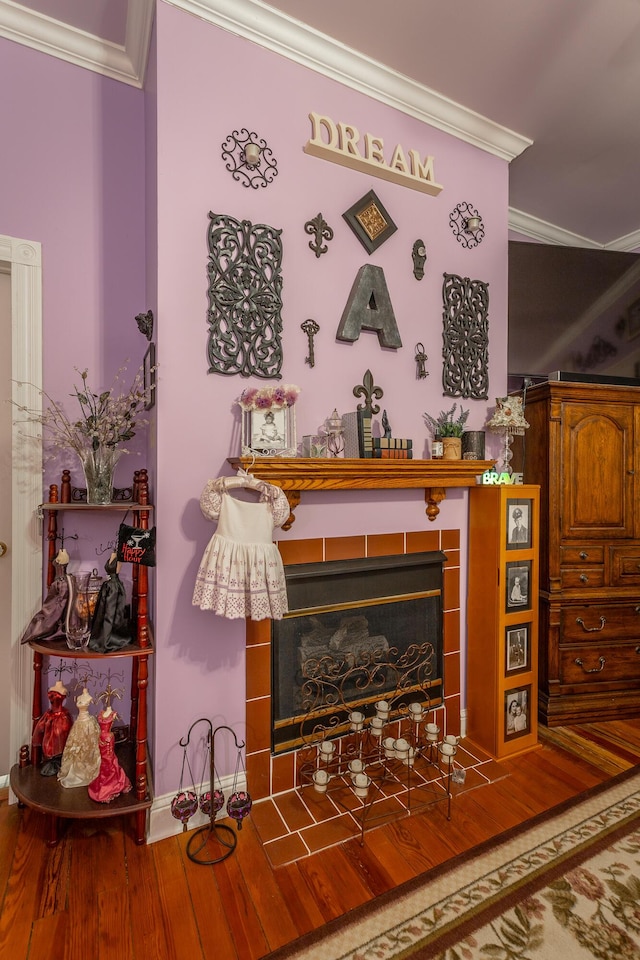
{"x": 245, "y": 298}
{"x": 369, "y": 307}
{"x": 465, "y": 336}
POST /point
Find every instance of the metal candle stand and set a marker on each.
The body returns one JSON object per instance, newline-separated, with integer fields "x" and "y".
{"x": 225, "y": 835}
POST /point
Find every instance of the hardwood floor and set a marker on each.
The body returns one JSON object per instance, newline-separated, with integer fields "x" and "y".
{"x": 97, "y": 895}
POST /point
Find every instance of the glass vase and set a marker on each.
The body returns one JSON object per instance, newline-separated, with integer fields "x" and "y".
{"x": 77, "y": 625}
{"x": 99, "y": 466}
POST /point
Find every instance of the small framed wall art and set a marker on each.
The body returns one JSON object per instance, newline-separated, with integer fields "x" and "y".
{"x": 519, "y": 524}
{"x": 517, "y": 651}
{"x": 517, "y": 714}
{"x": 370, "y": 222}
{"x": 518, "y": 580}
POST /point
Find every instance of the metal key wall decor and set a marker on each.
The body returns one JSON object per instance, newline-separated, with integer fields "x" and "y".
{"x": 245, "y": 302}
{"x": 465, "y": 337}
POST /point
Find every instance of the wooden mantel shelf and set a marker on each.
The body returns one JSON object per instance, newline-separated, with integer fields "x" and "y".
{"x": 295, "y": 474}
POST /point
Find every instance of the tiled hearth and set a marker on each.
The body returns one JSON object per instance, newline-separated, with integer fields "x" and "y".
{"x": 296, "y": 823}
{"x": 291, "y": 822}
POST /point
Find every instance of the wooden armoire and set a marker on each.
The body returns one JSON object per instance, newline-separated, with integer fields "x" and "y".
{"x": 583, "y": 449}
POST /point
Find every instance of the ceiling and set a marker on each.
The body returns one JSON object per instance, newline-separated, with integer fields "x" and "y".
{"x": 564, "y": 75}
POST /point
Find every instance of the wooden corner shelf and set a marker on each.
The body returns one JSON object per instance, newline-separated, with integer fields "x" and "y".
{"x": 296, "y": 474}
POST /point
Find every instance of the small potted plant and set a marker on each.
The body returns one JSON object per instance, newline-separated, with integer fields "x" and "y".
{"x": 449, "y": 429}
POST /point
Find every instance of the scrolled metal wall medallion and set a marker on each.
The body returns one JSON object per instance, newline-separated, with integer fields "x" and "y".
{"x": 249, "y": 159}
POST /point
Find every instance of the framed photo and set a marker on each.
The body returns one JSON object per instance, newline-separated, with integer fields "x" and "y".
{"x": 517, "y": 712}
{"x": 517, "y": 653}
{"x": 370, "y": 222}
{"x": 518, "y": 581}
{"x": 269, "y": 433}
{"x": 519, "y": 524}
{"x": 149, "y": 376}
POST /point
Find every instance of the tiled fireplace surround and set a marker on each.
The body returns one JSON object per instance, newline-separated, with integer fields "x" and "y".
{"x": 274, "y": 776}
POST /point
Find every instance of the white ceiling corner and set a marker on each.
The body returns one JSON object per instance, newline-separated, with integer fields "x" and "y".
{"x": 126, "y": 63}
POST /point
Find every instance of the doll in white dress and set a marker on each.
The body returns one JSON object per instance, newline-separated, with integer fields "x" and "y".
{"x": 81, "y": 756}
{"x": 241, "y": 573}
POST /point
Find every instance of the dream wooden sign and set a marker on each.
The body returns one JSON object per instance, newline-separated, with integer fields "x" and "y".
{"x": 341, "y": 143}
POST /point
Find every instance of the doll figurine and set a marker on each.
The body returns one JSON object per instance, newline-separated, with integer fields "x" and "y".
{"x": 52, "y": 729}
{"x": 111, "y": 780}
{"x": 81, "y": 754}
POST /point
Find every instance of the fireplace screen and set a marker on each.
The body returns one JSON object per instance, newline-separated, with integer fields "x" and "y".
{"x": 357, "y": 631}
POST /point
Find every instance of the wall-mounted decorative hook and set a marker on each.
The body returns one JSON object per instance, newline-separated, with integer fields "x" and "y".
{"x": 320, "y": 230}
{"x": 419, "y": 254}
{"x": 145, "y": 323}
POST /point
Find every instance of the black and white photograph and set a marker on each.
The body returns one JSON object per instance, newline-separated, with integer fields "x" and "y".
{"x": 269, "y": 429}
{"x": 518, "y": 524}
{"x": 518, "y": 580}
{"x": 517, "y": 717}
{"x": 517, "y": 656}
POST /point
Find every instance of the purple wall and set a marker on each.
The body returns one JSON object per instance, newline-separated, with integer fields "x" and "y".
{"x": 208, "y": 84}
{"x": 72, "y": 178}
{"x": 85, "y": 178}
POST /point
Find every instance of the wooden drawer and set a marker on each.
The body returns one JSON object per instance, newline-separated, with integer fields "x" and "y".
{"x": 625, "y": 566}
{"x": 596, "y": 622}
{"x": 576, "y": 555}
{"x": 581, "y": 578}
{"x": 600, "y": 663}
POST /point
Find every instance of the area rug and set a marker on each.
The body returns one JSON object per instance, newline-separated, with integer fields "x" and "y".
{"x": 564, "y": 885}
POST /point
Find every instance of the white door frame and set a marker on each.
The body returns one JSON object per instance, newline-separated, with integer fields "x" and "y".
{"x": 25, "y": 261}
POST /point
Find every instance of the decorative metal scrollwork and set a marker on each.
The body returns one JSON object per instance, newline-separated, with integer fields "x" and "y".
{"x": 320, "y": 230}
{"x": 245, "y": 302}
{"x": 467, "y": 225}
{"x": 465, "y": 337}
{"x": 256, "y": 167}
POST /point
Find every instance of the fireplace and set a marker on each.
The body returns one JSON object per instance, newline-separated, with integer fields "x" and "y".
{"x": 357, "y": 630}
{"x": 270, "y": 773}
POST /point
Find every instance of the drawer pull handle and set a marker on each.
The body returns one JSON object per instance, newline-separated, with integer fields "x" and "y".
{"x": 599, "y": 669}
{"x": 580, "y": 621}
{"x": 584, "y": 578}
{"x": 583, "y": 555}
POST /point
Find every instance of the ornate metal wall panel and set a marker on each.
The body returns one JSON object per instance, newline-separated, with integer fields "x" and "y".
{"x": 465, "y": 337}
{"x": 245, "y": 302}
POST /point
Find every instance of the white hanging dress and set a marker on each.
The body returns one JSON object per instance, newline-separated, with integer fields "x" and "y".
{"x": 241, "y": 573}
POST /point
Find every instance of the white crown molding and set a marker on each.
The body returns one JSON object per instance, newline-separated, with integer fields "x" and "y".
{"x": 126, "y": 64}
{"x": 530, "y": 226}
{"x": 631, "y": 242}
{"x": 307, "y": 47}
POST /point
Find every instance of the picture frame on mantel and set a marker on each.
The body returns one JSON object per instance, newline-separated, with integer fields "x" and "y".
{"x": 269, "y": 433}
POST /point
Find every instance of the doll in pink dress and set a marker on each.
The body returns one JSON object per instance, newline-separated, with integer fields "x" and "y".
{"x": 112, "y": 780}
